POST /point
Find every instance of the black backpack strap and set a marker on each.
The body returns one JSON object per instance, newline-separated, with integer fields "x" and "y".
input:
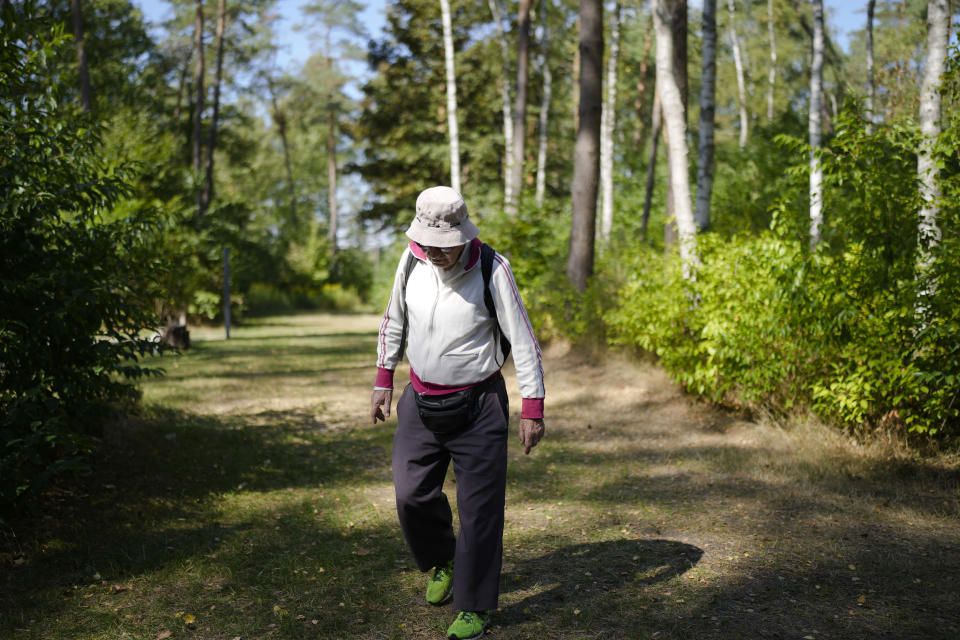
{"x": 407, "y": 270}
{"x": 486, "y": 269}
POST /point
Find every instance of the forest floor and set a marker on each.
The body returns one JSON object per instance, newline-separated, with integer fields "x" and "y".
{"x": 252, "y": 498}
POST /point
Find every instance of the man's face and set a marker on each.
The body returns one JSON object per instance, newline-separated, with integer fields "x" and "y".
{"x": 442, "y": 258}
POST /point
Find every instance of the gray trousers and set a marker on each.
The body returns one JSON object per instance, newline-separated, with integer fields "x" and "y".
{"x": 479, "y": 453}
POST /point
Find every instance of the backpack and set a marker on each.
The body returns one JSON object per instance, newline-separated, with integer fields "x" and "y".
{"x": 486, "y": 269}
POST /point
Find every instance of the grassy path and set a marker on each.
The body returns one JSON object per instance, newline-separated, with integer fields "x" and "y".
{"x": 253, "y": 499}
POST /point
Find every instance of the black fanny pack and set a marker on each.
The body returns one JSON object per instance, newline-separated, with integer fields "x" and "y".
{"x": 451, "y": 412}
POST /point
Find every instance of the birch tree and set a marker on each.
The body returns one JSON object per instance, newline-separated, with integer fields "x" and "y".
{"x": 505, "y": 97}
{"x": 741, "y": 85}
{"x": 772, "y": 72}
{"x": 868, "y": 102}
{"x": 451, "y": 96}
{"x": 708, "y": 89}
{"x": 547, "y": 93}
{"x": 938, "y": 36}
{"x": 814, "y": 128}
{"x": 607, "y": 125}
{"x": 675, "y": 123}
{"x": 586, "y": 150}
{"x": 520, "y": 106}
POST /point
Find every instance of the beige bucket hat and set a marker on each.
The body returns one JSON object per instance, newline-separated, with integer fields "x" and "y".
{"x": 441, "y": 219}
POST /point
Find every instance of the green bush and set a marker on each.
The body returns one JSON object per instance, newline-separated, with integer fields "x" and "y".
{"x": 75, "y": 301}
{"x": 852, "y": 329}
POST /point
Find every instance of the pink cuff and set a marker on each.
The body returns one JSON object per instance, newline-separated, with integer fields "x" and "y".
{"x": 532, "y": 408}
{"x": 384, "y": 378}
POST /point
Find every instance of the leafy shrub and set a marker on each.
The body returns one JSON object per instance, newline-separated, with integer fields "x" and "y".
{"x": 852, "y": 329}
{"x": 74, "y": 302}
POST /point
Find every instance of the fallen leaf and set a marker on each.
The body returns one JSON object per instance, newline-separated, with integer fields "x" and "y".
{"x": 163, "y": 635}
{"x": 862, "y": 599}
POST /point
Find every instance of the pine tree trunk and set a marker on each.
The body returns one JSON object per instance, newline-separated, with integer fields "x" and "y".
{"x": 198, "y": 73}
{"x": 938, "y": 36}
{"x": 520, "y": 106}
{"x": 505, "y": 98}
{"x": 675, "y": 124}
{"x": 86, "y": 93}
{"x": 607, "y": 127}
{"x": 212, "y": 142}
{"x": 181, "y": 85}
{"x": 544, "y": 103}
{"x": 451, "y": 96}
{"x": 655, "y": 125}
{"x": 741, "y": 85}
{"x": 332, "y": 178}
{"x": 281, "y": 121}
{"x": 586, "y": 154}
{"x": 868, "y": 102}
{"x": 708, "y": 89}
{"x": 772, "y": 72}
{"x": 639, "y": 103}
{"x": 816, "y": 102}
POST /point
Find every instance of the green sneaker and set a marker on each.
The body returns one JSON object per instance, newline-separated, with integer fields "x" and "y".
{"x": 441, "y": 584}
{"x": 469, "y": 625}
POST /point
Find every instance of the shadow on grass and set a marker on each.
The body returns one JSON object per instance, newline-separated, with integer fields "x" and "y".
{"x": 584, "y": 582}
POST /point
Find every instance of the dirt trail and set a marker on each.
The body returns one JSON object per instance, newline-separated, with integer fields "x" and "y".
{"x": 798, "y": 533}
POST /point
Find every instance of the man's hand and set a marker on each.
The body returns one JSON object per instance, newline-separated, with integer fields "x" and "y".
{"x": 380, "y": 404}
{"x": 531, "y": 431}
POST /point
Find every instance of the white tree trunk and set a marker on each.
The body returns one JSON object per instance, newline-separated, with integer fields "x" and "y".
{"x": 772, "y": 73}
{"x": 868, "y": 102}
{"x": 544, "y": 62}
{"x": 675, "y": 121}
{"x": 938, "y": 35}
{"x": 505, "y": 97}
{"x": 607, "y": 121}
{"x": 816, "y": 103}
{"x": 741, "y": 85}
{"x": 451, "y": 96}
{"x": 708, "y": 89}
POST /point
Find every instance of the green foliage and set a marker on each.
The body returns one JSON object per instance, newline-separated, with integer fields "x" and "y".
{"x": 76, "y": 293}
{"x": 853, "y": 329}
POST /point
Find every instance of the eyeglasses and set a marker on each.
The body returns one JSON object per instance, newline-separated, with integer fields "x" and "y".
{"x": 426, "y": 249}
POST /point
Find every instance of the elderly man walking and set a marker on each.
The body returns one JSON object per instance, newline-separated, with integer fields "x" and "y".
{"x": 456, "y": 307}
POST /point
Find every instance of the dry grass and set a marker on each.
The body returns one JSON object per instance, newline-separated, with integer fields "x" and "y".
{"x": 254, "y": 496}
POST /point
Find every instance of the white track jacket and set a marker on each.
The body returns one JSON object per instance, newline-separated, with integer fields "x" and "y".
{"x": 450, "y": 333}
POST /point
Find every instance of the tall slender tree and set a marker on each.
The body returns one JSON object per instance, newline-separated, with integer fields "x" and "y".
{"x": 207, "y": 193}
{"x": 452, "y": 127}
{"x": 607, "y": 127}
{"x": 86, "y": 93}
{"x": 586, "y": 154}
{"x": 545, "y": 100}
{"x": 676, "y": 13}
{"x": 333, "y": 19}
{"x": 938, "y": 37}
{"x": 741, "y": 84}
{"x": 655, "y": 125}
{"x": 868, "y": 102}
{"x": 199, "y": 71}
{"x": 708, "y": 89}
{"x": 814, "y": 125}
{"x": 772, "y": 71}
{"x": 674, "y": 119}
{"x": 640, "y": 102}
{"x": 504, "y": 82}
{"x": 520, "y": 106}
